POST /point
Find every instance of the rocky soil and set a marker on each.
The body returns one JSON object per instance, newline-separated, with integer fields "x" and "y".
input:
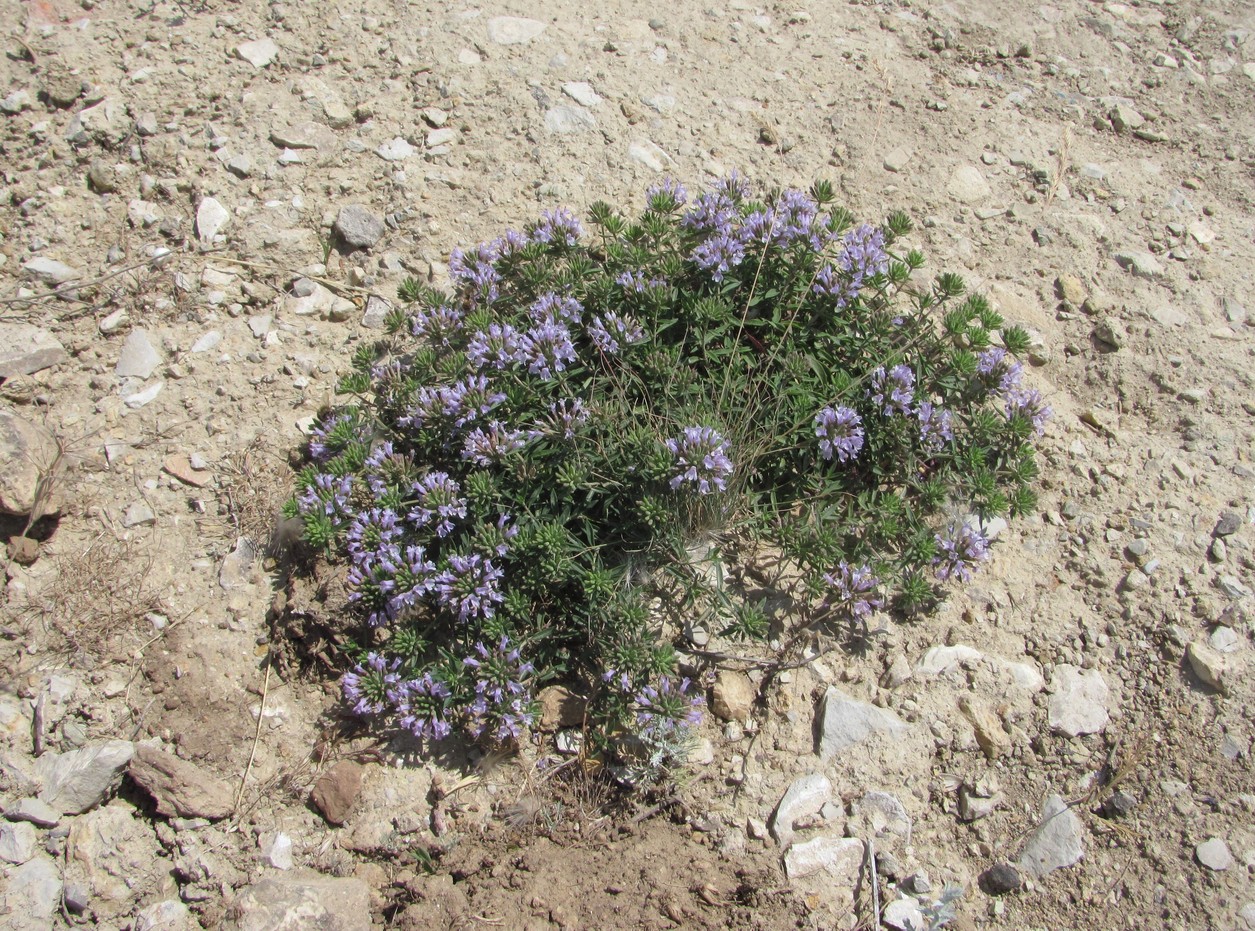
{"x": 205, "y": 207}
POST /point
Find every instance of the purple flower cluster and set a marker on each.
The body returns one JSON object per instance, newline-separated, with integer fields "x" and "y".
{"x": 607, "y": 330}
{"x": 1028, "y": 402}
{"x": 546, "y": 348}
{"x": 557, "y": 226}
{"x": 862, "y": 256}
{"x": 672, "y": 189}
{"x": 328, "y": 494}
{"x": 701, "y": 459}
{"x": 367, "y": 686}
{"x": 438, "y": 325}
{"x": 503, "y": 703}
{"x": 330, "y": 438}
{"x": 961, "y": 550}
{"x": 496, "y": 347}
{"x": 477, "y": 269}
{"x": 637, "y": 283}
{"x": 462, "y": 403}
{"x": 668, "y": 711}
{"x": 936, "y": 426}
{"x": 792, "y": 218}
{"x": 854, "y": 589}
{"x": 893, "y": 391}
{"x": 490, "y": 446}
{"x": 565, "y": 417}
{"x": 996, "y": 363}
{"x": 469, "y": 586}
{"x": 422, "y": 706}
{"x": 550, "y": 307}
{"x": 371, "y": 531}
{"x": 439, "y": 502}
{"x": 840, "y": 433}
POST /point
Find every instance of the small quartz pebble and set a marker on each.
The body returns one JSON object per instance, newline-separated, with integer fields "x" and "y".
{"x": 1214, "y": 854}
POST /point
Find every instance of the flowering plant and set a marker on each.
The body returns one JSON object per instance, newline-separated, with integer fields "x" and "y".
{"x": 520, "y": 463}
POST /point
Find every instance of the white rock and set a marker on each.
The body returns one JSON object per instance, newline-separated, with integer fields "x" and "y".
{"x": 143, "y": 396}
{"x": 166, "y": 915}
{"x": 50, "y": 271}
{"x": 1214, "y": 668}
{"x": 258, "y": 53}
{"x": 1079, "y": 703}
{"x": 802, "y": 799}
{"x": 32, "y": 895}
{"x": 1141, "y": 264}
{"x": 662, "y": 103}
{"x": 395, "y": 150}
{"x": 303, "y": 901}
{"x": 841, "y": 857}
{"x": 898, "y": 159}
{"x": 376, "y": 313}
{"x": 211, "y": 217}
{"x": 582, "y": 93}
{"x": 968, "y": 185}
{"x": 237, "y": 565}
{"x": 26, "y": 349}
{"x": 17, "y": 842}
{"x": 645, "y": 152}
{"x": 904, "y": 914}
{"x": 942, "y": 659}
{"x": 78, "y": 780}
{"x": 138, "y": 358}
{"x": 139, "y": 514}
{"x": 880, "y": 814}
{"x": 207, "y": 342}
{"x": 439, "y": 137}
{"x": 276, "y": 850}
{"x": 143, "y": 214}
{"x": 513, "y": 30}
{"x": 1059, "y": 840}
{"x": 1214, "y": 854}
{"x": 34, "y": 811}
{"x": 845, "y": 722}
{"x": 565, "y": 120}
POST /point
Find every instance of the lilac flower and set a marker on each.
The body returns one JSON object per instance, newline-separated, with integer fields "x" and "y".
{"x": 854, "y": 589}
{"x": 961, "y": 551}
{"x": 840, "y": 433}
{"x": 478, "y": 269}
{"x": 720, "y": 253}
{"x": 550, "y": 307}
{"x": 328, "y": 494}
{"x": 422, "y": 705}
{"x": 330, "y": 438}
{"x": 557, "y": 226}
{"x": 547, "y": 348}
{"x": 469, "y": 399}
{"x": 894, "y": 391}
{"x": 509, "y": 244}
{"x": 667, "y": 712}
{"x": 372, "y": 529}
{"x": 367, "y": 686}
{"x": 995, "y": 362}
{"x": 733, "y": 186}
{"x": 503, "y": 703}
{"x": 374, "y": 466}
{"x": 701, "y": 458}
{"x": 487, "y": 447}
{"x": 438, "y": 502}
{"x": 505, "y": 531}
{"x": 498, "y": 347}
{"x": 413, "y": 578}
{"x": 717, "y": 208}
{"x": 637, "y": 283}
{"x": 792, "y": 218}
{"x": 605, "y": 331}
{"x": 372, "y": 581}
{"x": 426, "y": 406}
{"x": 669, "y": 188}
{"x": 862, "y": 256}
{"x": 469, "y": 585}
{"x": 1029, "y": 403}
{"x": 438, "y": 325}
{"x": 935, "y": 426}
{"x": 988, "y": 361}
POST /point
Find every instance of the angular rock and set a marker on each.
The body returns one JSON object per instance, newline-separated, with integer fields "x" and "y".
{"x": 904, "y": 914}
{"x": 111, "y": 853}
{"x": 26, "y": 349}
{"x": 582, "y": 93}
{"x": 644, "y": 152}
{"x": 802, "y": 799}
{"x": 1001, "y": 879}
{"x": 439, "y": 137}
{"x": 1211, "y": 666}
{"x": 840, "y": 857}
{"x": 732, "y": 696}
{"x": 1230, "y": 522}
{"x": 968, "y": 185}
{"x": 942, "y": 659}
{"x": 28, "y": 451}
{"x": 34, "y": 811}
{"x": 78, "y": 780}
{"x": 1079, "y": 703}
{"x": 138, "y": 358}
{"x": 560, "y": 707}
{"x": 336, "y": 791}
{"x": 139, "y": 514}
{"x": 513, "y": 30}
{"x": 305, "y": 900}
{"x": 166, "y": 915}
{"x": 878, "y": 814}
{"x": 1141, "y": 264}
{"x": 1214, "y": 854}
{"x": 1125, "y": 119}
{"x": 17, "y": 842}
{"x": 1058, "y": 842}
{"x": 395, "y": 150}
{"x": 211, "y": 217}
{"x": 1070, "y": 288}
{"x": 259, "y": 53}
{"x": 358, "y": 227}
{"x": 178, "y": 787}
{"x": 565, "y": 120}
{"x": 50, "y": 271}
{"x": 304, "y": 135}
{"x": 237, "y": 566}
{"x": 844, "y": 722}
{"x": 991, "y": 736}
{"x": 276, "y": 850}
{"x": 16, "y": 102}
{"x": 375, "y": 316}
{"x": 310, "y": 299}
{"x": 32, "y": 895}
{"x": 899, "y": 158}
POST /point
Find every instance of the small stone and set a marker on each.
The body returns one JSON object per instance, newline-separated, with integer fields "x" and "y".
{"x": 23, "y": 550}
{"x": 1141, "y": 264}
{"x": 36, "y": 812}
{"x": 804, "y": 798}
{"x": 211, "y": 217}
{"x": 209, "y": 341}
{"x": 27, "y": 452}
{"x": 138, "y": 398}
{"x": 841, "y": 857}
{"x": 991, "y": 736}
{"x": 904, "y": 914}
{"x": 237, "y": 566}
{"x": 1079, "y": 702}
{"x": 582, "y": 93}
{"x": 560, "y": 707}
{"x": 336, "y": 791}
{"x": 845, "y": 722}
{"x": 434, "y": 116}
{"x": 78, "y": 780}
{"x": 1058, "y": 842}
{"x": 178, "y": 787}
{"x": 33, "y": 891}
{"x": 138, "y": 514}
{"x": 60, "y": 86}
{"x": 1125, "y": 119}
{"x": 1107, "y": 336}
{"x": 146, "y": 124}
{"x": 259, "y": 53}
{"x": 968, "y": 185}
{"x": 513, "y": 30}
{"x": 375, "y": 315}
{"x": 732, "y": 696}
{"x": 898, "y": 673}
{"x": 138, "y": 358}
{"x": 77, "y": 897}
{"x": 50, "y": 271}
{"x": 565, "y": 120}
{"x": 1224, "y": 640}
{"x": 941, "y": 659}
{"x": 102, "y": 177}
{"x": 1212, "y": 667}
{"x": 973, "y": 807}
{"x": 276, "y": 850}
{"x": 303, "y": 135}
{"x": 440, "y": 137}
{"x": 17, "y": 842}
{"x": 16, "y": 102}
{"x": 899, "y": 158}
{"x": 358, "y": 227}
{"x": 644, "y": 152}
{"x": 1214, "y": 854}
{"x": 395, "y": 150}
{"x": 1001, "y": 879}
{"x": 26, "y": 349}
{"x": 1118, "y": 805}
{"x": 880, "y": 814}
{"x": 241, "y": 166}
{"x": 1230, "y": 523}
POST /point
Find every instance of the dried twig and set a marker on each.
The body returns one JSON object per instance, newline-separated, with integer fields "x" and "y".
{"x": 252, "y": 754}
{"x": 66, "y": 291}
{"x": 871, "y": 869}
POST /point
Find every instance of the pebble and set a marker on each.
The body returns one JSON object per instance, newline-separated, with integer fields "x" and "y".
{"x": 33, "y": 810}
{"x": 15, "y": 102}
{"x": 26, "y": 349}
{"x": 941, "y": 659}
{"x": 76, "y": 781}
{"x": 565, "y": 120}
{"x": 582, "y": 93}
{"x": 732, "y": 696}
{"x": 237, "y": 565}
{"x": 240, "y": 165}
{"x": 276, "y": 850}
{"x": 26, "y": 448}
{"x": 968, "y": 185}
{"x": 904, "y": 914}
{"x": 441, "y": 137}
{"x": 1230, "y": 523}
{"x": 845, "y": 722}
{"x": 17, "y": 842}
{"x": 1078, "y": 704}
{"x": 1107, "y": 336}
{"x": 210, "y": 340}
{"x": 991, "y": 736}
{"x": 138, "y": 514}
{"x": 259, "y": 53}
{"x": 1125, "y": 119}
{"x": 1141, "y": 264}
{"x": 139, "y": 398}
{"x": 180, "y": 788}
{"x": 33, "y": 892}
{"x": 1058, "y": 841}
{"x": 211, "y": 218}
{"x": 376, "y": 312}
{"x": 50, "y": 271}
{"x": 336, "y": 791}
{"x": 358, "y": 227}
{"x": 804, "y": 798}
{"x": 1212, "y": 667}
{"x": 102, "y": 177}
{"x": 841, "y": 857}
{"x": 1000, "y": 879}
{"x": 138, "y": 358}
{"x": 513, "y": 30}
{"x": 1214, "y": 854}
{"x": 395, "y": 150}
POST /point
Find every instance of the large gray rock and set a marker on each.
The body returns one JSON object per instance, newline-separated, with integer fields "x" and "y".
{"x": 17, "y": 842}
{"x": 358, "y": 227}
{"x": 802, "y": 799}
{"x": 280, "y": 903}
{"x": 113, "y": 856}
{"x": 840, "y": 857}
{"x": 28, "y": 451}
{"x": 845, "y": 721}
{"x": 79, "y": 780}
{"x": 138, "y": 358}
{"x": 178, "y": 787}
{"x": 1059, "y": 840}
{"x": 25, "y": 349}
{"x": 1079, "y": 702}
{"x": 32, "y": 896}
